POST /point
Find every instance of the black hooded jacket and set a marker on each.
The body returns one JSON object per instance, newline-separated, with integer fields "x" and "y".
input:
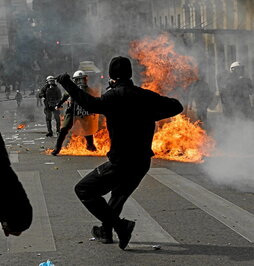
{"x": 130, "y": 112}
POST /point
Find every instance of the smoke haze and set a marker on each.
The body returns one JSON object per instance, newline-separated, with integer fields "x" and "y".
{"x": 232, "y": 163}
{"x": 93, "y": 30}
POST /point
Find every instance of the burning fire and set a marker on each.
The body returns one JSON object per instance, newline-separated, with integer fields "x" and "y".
{"x": 165, "y": 69}
{"x": 181, "y": 140}
{"x": 20, "y": 126}
{"x": 77, "y": 145}
{"x": 177, "y": 138}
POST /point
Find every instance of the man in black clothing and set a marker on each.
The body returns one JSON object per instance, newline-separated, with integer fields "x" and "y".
{"x": 130, "y": 113}
{"x": 15, "y": 208}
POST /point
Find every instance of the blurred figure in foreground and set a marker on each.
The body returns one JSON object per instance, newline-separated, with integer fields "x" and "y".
{"x": 75, "y": 112}
{"x": 131, "y": 113}
{"x": 52, "y": 95}
{"x": 15, "y": 208}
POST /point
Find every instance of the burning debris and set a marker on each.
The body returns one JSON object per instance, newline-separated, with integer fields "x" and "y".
{"x": 21, "y": 126}
{"x": 188, "y": 142}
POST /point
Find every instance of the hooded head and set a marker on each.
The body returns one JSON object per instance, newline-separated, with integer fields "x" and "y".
{"x": 120, "y": 68}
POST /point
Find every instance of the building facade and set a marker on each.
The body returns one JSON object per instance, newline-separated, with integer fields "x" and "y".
{"x": 8, "y": 12}
{"x": 218, "y": 32}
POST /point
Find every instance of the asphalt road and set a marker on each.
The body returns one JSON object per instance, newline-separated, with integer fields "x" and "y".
{"x": 182, "y": 217}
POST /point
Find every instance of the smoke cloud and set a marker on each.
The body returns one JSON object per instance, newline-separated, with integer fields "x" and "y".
{"x": 232, "y": 163}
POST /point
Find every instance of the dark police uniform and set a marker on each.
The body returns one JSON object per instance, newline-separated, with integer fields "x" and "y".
{"x": 237, "y": 96}
{"x": 52, "y": 95}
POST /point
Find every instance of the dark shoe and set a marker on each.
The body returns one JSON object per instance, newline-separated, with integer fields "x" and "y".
{"x": 104, "y": 236}
{"x": 124, "y": 229}
{"x": 49, "y": 134}
{"x": 91, "y": 148}
{"x": 55, "y": 152}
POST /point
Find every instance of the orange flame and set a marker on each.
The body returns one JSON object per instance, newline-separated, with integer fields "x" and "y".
{"x": 165, "y": 69}
{"x": 77, "y": 145}
{"x": 20, "y": 126}
{"x": 181, "y": 140}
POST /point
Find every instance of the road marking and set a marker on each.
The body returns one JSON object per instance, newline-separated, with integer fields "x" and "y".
{"x": 39, "y": 237}
{"x": 14, "y": 157}
{"x": 234, "y": 217}
{"x": 147, "y": 230}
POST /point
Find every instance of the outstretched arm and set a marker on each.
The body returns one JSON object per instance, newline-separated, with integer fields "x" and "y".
{"x": 167, "y": 107}
{"x": 90, "y": 103}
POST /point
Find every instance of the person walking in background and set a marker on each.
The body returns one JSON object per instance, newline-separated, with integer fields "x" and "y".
{"x": 131, "y": 113}
{"x": 18, "y": 98}
{"x": 7, "y": 91}
{"x": 38, "y": 99}
{"x": 52, "y": 95}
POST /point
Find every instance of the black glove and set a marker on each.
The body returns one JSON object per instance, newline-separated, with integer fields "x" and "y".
{"x": 62, "y": 77}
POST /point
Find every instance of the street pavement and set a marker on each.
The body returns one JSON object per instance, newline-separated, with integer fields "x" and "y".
{"x": 182, "y": 217}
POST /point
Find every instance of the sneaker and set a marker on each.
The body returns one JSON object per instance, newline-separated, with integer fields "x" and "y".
{"x": 55, "y": 152}
{"x": 102, "y": 235}
{"x": 49, "y": 134}
{"x": 124, "y": 229}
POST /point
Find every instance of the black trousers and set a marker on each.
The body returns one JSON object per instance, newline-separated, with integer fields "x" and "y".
{"x": 121, "y": 180}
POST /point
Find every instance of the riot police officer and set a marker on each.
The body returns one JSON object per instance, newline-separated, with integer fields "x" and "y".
{"x": 76, "y": 112}
{"x": 238, "y": 88}
{"x": 52, "y": 95}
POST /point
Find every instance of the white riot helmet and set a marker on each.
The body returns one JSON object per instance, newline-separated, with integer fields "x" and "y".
{"x": 50, "y": 80}
{"x": 80, "y": 77}
{"x": 234, "y": 65}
